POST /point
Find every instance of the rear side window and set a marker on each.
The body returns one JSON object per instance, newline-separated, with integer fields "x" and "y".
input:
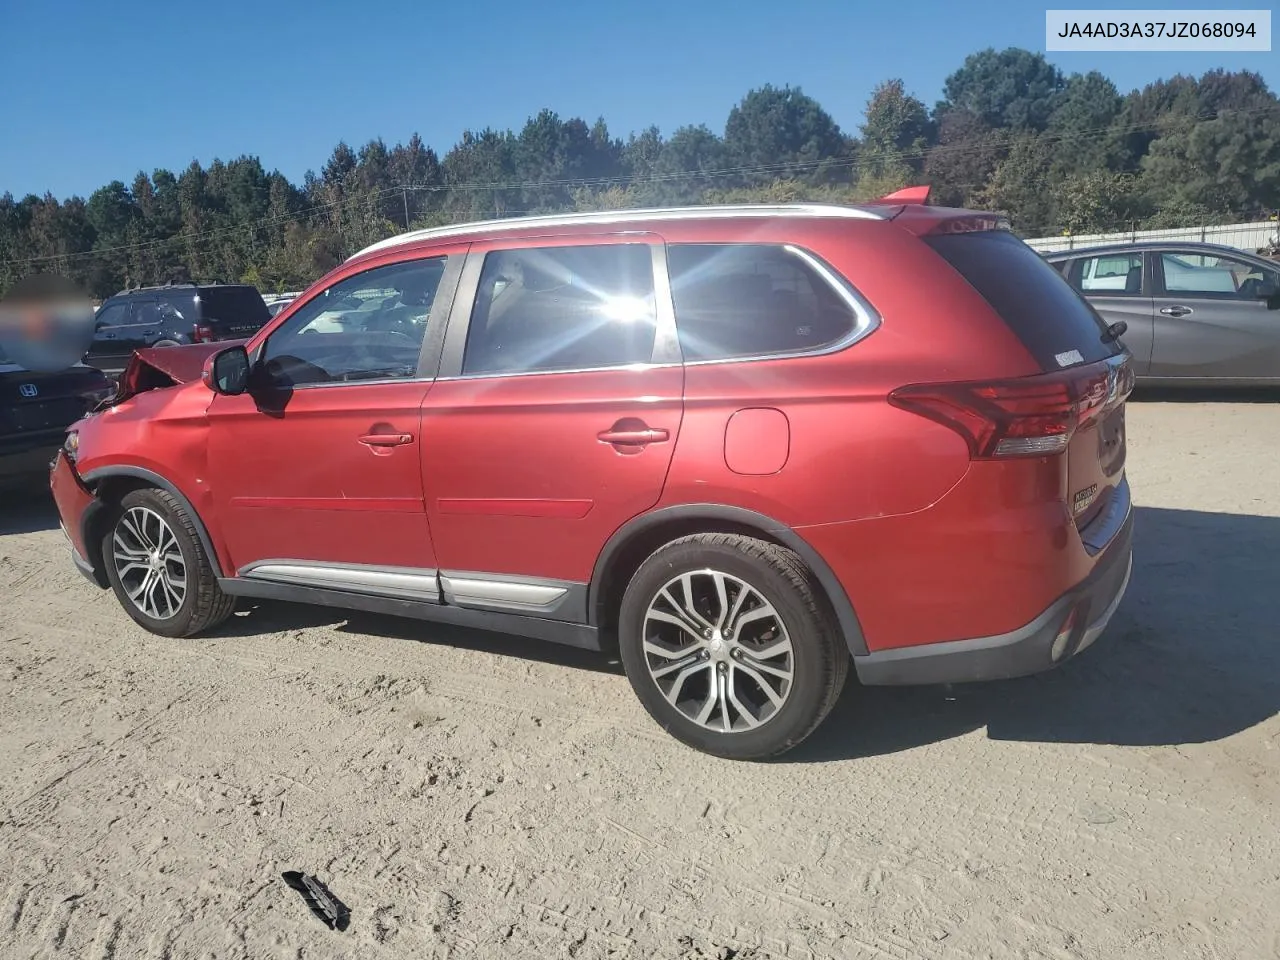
{"x": 1053, "y": 321}
{"x": 562, "y": 308}
{"x": 239, "y": 304}
{"x": 752, "y": 299}
{"x": 1112, "y": 275}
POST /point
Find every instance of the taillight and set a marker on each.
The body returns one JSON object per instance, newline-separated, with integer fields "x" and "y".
{"x": 1025, "y": 417}
{"x": 202, "y": 333}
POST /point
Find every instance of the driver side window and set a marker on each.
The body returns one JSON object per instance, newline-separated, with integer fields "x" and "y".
{"x": 370, "y": 326}
{"x": 1216, "y": 277}
{"x": 112, "y": 315}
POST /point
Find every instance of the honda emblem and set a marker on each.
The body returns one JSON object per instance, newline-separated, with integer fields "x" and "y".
{"x": 28, "y": 390}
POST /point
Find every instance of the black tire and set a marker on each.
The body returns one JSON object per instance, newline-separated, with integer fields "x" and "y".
{"x": 819, "y": 657}
{"x": 203, "y": 605}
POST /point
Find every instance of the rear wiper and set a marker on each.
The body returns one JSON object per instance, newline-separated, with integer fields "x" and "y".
{"x": 1115, "y": 331}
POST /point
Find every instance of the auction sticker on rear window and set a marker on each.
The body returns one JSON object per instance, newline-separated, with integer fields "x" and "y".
{"x": 1068, "y": 358}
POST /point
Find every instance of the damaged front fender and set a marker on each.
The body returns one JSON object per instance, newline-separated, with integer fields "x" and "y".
{"x": 155, "y": 368}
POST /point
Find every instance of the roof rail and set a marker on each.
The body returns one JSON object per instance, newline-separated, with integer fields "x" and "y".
{"x": 156, "y": 286}
{"x": 614, "y": 217}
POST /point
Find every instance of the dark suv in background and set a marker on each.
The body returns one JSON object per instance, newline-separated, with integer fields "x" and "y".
{"x": 173, "y": 314}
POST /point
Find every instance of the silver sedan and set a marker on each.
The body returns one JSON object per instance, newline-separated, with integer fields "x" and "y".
{"x": 1194, "y": 314}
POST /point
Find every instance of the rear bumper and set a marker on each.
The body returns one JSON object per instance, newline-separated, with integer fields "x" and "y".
{"x": 1025, "y": 651}
{"x": 27, "y": 458}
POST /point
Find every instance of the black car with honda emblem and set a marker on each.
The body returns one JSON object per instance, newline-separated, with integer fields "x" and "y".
{"x": 35, "y": 411}
{"x": 170, "y": 315}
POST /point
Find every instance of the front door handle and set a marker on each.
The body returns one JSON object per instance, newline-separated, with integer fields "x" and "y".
{"x": 639, "y": 436}
{"x": 386, "y": 439}
{"x": 1176, "y": 311}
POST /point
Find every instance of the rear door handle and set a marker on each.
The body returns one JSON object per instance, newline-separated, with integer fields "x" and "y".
{"x": 386, "y": 439}
{"x": 641, "y": 436}
{"x": 1176, "y": 311}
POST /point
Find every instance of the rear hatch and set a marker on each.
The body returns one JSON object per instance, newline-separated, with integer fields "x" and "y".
{"x": 1074, "y": 407}
{"x": 233, "y": 312}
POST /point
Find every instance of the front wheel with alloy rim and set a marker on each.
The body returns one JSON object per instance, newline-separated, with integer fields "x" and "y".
{"x": 730, "y": 645}
{"x": 158, "y": 567}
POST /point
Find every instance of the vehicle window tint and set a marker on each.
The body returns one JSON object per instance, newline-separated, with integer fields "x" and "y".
{"x": 1112, "y": 274}
{"x": 179, "y": 307}
{"x": 144, "y": 312}
{"x": 752, "y": 299}
{"x": 367, "y": 327}
{"x": 1052, "y": 320}
{"x": 562, "y": 308}
{"x": 236, "y": 304}
{"x": 1211, "y": 275}
{"x": 112, "y": 315}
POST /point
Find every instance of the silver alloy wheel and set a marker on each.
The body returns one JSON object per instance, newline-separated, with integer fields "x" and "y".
{"x": 718, "y": 651}
{"x": 149, "y": 563}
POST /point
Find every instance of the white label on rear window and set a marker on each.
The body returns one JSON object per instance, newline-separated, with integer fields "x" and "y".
{"x": 1068, "y": 358}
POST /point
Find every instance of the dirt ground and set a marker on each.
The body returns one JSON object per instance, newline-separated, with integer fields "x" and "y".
{"x": 469, "y": 795}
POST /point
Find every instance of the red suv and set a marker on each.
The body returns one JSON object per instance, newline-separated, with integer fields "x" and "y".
{"x": 752, "y": 446}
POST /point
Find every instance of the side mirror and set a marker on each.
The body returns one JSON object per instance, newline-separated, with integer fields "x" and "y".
{"x": 227, "y": 371}
{"x": 1269, "y": 290}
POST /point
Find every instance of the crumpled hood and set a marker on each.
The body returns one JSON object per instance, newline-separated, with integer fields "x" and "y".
{"x": 154, "y": 367}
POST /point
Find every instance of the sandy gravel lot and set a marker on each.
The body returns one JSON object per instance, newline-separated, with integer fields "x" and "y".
{"x": 474, "y": 796}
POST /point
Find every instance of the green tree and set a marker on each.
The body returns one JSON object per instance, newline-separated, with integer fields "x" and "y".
{"x": 479, "y": 173}
{"x": 1227, "y": 165}
{"x": 779, "y": 132}
{"x": 895, "y": 133}
{"x": 959, "y": 168}
{"x": 691, "y": 163}
{"x": 1082, "y": 126}
{"x": 1021, "y": 185}
{"x": 1096, "y": 201}
{"x": 1010, "y": 88}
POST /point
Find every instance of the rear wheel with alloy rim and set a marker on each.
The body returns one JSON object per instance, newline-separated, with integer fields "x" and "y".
{"x": 158, "y": 567}
{"x": 730, "y": 646}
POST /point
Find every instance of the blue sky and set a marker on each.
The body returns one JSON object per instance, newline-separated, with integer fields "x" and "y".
{"x": 92, "y": 91}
